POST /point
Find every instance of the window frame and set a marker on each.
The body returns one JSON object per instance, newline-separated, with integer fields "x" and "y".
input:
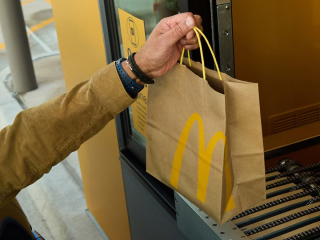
{"x": 112, "y": 46}
{"x": 131, "y": 151}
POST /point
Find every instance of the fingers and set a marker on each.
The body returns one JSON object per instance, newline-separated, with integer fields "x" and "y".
{"x": 180, "y": 30}
{"x": 191, "y": 47}
{"x": 198, "y": 20}
{"x": 190, "y": 42}
{"x": 170, "y": 22}
{"x": 180, "y": 47}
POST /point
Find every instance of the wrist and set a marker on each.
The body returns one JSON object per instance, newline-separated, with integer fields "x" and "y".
{"x": 132, "y": 64}
{"x": 143, "y": 64}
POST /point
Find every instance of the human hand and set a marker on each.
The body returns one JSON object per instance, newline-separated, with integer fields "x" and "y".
{"x": 163, "y": 48}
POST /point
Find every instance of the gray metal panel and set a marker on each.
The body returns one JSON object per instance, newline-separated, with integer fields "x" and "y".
{"x": 109, "y": 28}
{"x": 212, "y": 16}
{"x": 196, "y": 225}
{"x": 226, "y": 39}
{"x": 149, "y": 218}
{"x": 106, "y": 35}
{"x": 219, "y": 2}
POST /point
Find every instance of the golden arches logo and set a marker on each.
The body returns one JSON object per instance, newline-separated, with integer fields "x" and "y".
{"x": 205, "y": 156}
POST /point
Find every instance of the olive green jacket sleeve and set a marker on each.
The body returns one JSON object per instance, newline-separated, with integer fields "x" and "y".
{"x": 43, "y": 136}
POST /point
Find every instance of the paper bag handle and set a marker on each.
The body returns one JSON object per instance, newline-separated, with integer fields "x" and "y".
{"x": 197, "y": 31}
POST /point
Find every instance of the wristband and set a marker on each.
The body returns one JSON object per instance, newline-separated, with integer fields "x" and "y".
{"x": 137, "y": 71}
{"x": 129, "y": 84}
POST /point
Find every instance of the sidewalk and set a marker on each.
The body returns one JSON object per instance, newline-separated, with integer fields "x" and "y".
{"x": 55, "y": 205}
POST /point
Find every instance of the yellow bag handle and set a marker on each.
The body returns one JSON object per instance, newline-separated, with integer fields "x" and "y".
{"x": 197, "y": 31}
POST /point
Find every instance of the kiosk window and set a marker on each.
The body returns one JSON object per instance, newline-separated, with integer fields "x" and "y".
{"x": 151, "y": 12}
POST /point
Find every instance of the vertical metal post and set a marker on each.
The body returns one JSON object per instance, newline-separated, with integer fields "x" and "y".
{"x": 17, "y": 46}
{"x": 225, "y": 37}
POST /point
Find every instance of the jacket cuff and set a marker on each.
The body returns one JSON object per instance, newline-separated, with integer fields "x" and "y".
{"x": 110, "y": 89}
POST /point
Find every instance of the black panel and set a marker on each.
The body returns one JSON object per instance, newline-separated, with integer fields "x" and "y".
{"x": 109, "y": 26}
{"x": 292, "y": 148}
{"x": 112, "y": 47}
{"x": 149, "y": 218}
{"x": 203, "y": 9}
{"x": 162, "y": 191}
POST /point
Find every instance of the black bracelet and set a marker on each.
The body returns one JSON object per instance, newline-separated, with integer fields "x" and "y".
{"x": 136, "y": 71}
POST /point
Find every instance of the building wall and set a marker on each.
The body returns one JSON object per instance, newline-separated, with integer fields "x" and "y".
{"x": 82, "y": 53}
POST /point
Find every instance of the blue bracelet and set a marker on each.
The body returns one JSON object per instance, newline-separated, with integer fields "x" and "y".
{"x": 129, "y": 84}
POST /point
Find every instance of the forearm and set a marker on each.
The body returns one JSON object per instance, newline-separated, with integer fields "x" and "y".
{"x": 43, "y": 136}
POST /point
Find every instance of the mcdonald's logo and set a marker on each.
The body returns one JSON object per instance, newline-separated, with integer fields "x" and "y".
{"x": 204, "y": 161}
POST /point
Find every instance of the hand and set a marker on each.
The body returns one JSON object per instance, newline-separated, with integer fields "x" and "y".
{"x": 164, "y": 46}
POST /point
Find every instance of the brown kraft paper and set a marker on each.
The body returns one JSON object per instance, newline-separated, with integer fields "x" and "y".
{"x": 204, "y": 140}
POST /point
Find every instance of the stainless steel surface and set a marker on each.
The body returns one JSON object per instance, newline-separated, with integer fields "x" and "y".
{"x": 196, "y": 225}
{"x": 213, "y": 25}
{"x": 293, "y": 209}
{"x": 220, "y": 2}
{"x": 292, "y": 204}
{"x": 17, "y": 46}
{"x": 224, "y": 13}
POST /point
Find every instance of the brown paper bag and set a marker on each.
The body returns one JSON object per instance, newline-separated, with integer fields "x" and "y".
{"x": 204, "y": 140}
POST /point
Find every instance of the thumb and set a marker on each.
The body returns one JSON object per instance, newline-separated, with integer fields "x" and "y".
{"x": 180, "y": 30}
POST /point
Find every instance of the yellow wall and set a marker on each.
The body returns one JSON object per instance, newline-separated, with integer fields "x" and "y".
{"x": 82, "y": 53}
{"x": 277, "y": 44}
